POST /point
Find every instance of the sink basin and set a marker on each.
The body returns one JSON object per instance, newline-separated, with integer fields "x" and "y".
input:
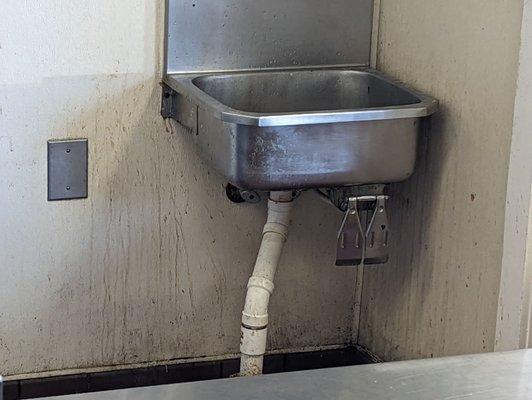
{"x": 296, "y": 129}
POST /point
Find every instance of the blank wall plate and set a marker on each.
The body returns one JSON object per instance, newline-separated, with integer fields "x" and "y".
{"x": 67, "y": 169}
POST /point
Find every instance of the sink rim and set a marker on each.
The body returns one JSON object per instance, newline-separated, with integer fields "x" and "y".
{"x": 184, "y": 85}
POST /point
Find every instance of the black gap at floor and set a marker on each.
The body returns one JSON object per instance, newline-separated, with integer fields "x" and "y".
{"x": 178, "y": 373}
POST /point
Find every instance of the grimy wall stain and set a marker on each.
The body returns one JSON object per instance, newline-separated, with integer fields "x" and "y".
{"x": 438, "y": 296}
{"x": 154, "y": 264}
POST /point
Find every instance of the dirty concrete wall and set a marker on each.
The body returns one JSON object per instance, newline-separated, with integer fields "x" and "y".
{"x": 153, "y": 265}
{"x": 439, "y": 294}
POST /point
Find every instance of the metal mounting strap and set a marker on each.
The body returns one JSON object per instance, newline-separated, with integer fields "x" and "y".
{"x": 378, "y": 235}
{"x": 360, "y": 241}
{"x": 351, "y": 237}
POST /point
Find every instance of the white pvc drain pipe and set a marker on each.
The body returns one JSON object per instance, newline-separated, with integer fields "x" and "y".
{"x": 260, "y": 285}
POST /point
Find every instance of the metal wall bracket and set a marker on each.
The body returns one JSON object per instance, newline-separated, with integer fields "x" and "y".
{"x": 168, "y": 102}
{"x": 377, "y": 234}
{"x": 364, "y": 235}
{"x": 177, "y": 107}
{"x": 351, "y": 237}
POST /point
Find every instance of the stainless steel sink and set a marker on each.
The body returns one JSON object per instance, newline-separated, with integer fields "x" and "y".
{"x": 279, "y": 95}
{"x": 308, "y": 128}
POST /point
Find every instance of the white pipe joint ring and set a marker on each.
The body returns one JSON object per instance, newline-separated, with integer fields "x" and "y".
{"x": 254, "y": 321}
{"x": 261, "y": 283}
{"x": 275, "y": 227}
{"x": 279, "y": 208}
{"x": 253, "y": 342}
{"x": 284, "y": 197}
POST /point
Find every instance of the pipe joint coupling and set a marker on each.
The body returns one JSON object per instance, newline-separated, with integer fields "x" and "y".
{"x": 254, "y": 322}
{"x": 286, "y": 196}
{"x": 262, "y": 283}
{"x": 279, "y": 211}
{"x": 276, "y": 227}
{"x": 253, "y": 342}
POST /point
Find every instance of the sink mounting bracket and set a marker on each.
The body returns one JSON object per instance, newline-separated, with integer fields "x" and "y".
{"x": 364, "y": 234}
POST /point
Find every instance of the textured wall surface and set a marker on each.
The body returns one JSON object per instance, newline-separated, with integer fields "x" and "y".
{"x": 438, "y": 296}
{"x": 153, "y": 265}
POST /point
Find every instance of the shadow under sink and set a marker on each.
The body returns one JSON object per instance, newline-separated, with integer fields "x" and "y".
{"x": 289, "y": 129}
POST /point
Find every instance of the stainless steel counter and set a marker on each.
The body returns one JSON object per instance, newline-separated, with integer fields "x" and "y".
{"x": 501, "y": 376}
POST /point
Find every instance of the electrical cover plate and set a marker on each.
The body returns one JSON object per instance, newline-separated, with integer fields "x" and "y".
{"x": 67, "y": 169}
